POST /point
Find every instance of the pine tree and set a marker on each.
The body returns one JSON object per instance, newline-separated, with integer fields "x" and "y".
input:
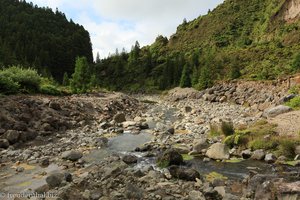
{"x": 205, "y": 79}
{"x": 66, "y": 80}
{"x": 185, "y": 80}
{"x": 98, "y": 60}
{"x": 81, "y": 77}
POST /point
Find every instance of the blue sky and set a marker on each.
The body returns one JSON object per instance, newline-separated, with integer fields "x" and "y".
{"x": 119, "y": 23}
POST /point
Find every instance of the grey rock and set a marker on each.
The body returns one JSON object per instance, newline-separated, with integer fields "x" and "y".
{"x": 20, "y": 169}
{"x": 4, "y": 143}
{"x": 187, "y": 174}
{"x": 218, "y": 151}
{"x": 72, "y": 155}
{"x": 258, "y": 154}
{"x": 133, "y": 192}
{"x": 54, "y": 105}
{"x": 196, "y": 195}
{"x": 188, "y": 109}
{"x": 130, "y": 159}
{"x": 270, "y": 158}
{"x": 246, "y": 153}
{"x": 144, "y": 125}
{"x": 273, "y": 112}
{"x": 171, "y": 130}
{"x": 55, "y": 180}
{"x": 170, "y": 157}
{"x": 211, "y": 194}
{"x": 199, "y": 145}
{"x": 119, "y": 118}
{"x": 12, "y": 136}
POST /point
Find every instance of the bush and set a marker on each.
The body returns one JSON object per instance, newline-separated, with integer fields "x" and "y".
{"x": 263, "y": 144}
{"x": 7, "y": 85}
{"x": 294, "y": 103}
{"x": 50, "y": 90}
{"x": 286, "y": 148}
{"x": 27, "y": 79}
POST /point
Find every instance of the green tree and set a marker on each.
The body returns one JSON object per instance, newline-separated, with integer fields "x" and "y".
{"x": 205, "y": 79}
{"x": 66, "y": 80}
{"x": 185, "y": 80}
{"x": 81, "y": 77}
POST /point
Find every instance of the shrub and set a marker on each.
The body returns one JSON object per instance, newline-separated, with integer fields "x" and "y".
{"x": 263, "y": 144}
{"x": 286, "y": 148}
{"x": 50, "y": 90}
{"x": 7, "y": 85}
{"x": 294, "y": 103}
{"x": 27, "y": 79}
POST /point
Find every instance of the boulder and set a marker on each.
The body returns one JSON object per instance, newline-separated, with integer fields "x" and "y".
{"x": 218, "y": 151}
{"x": 246, "y": 154}
{"x": 130, "y": 159}
{"x": 170, "y": 157}
{"x": 183, "y": 173}
{"x": 12, "y": 136}
{"x": 199, "y": 145}
{"x": 270, "y": 158}
{"x": 55, "y": 180}
{"x": 119, "y": 118}
{"x": 196, "y": 195}
{"x": 258, "y": 154}
{"x": 72, "y": 155}
{"x": 273, "y": 112}
{"x": 54, "y": 105}
{"x": 4, "y": 143}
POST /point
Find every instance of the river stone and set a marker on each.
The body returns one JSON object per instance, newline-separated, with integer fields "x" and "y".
{"x": 119, "y": 118}
{"x": 55, "y": 180}
{"x": 54, "y": 105}
{"x": 246, "y": 154}
{"x": 196, "y": 195}
{"x": 273, "y": 112}
{"x": 130, "y": 159}
{"x": 187, "y": 174}
{"x": 170, "y": 157}
{"x": 270, "y": 158}
{"x": 211, "y": 194}
{"x": 258, "y": 154}
{"x": 144, "y": 125}
{"x": 72, "y": 155}
{"x": 12, "y": 136}
{"x": 4, "y": 143}
{"x": 218, "y": 151}
{"x": 199, "y": 145}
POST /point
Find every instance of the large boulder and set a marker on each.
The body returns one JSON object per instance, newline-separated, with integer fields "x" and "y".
{"x": 258, "y": 154}
{"x": 55, "y": 180}
{"x": 170, "y": 157}
{"x": 187, "y": 174}
{"x": 199, "y": 145}
{"x": 218, "y": 151}
{"x": 130, "y": 159}
{"x": 119, "y": 118}
{"x": 273, "y": 112}
{"x": 4, "y": 143}
{"x": 12, "y": 136}
{"x": 72, "y": 155}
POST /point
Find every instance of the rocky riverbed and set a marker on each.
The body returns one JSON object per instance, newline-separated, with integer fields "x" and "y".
{"x": 113, "y": 146}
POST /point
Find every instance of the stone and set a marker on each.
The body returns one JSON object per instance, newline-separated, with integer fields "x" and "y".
{"x": 20, "y": 169}
{"x": 246, "y": 154}
{"x": 42, "y": 189}
{"x": 196, "y": 195}
{"x": 273, "y": 112}
{"x": 183, "y": 173}
{"x": 133, "y": 192}
{"x": 211, "y": 194}
{"x": 12, "y": 136}
{"x": 28, "y": 135}
{"x": 102, "y": 141}
{"x": 171, "y": 130}
{"x": 68, "y": 177}
{"x": 45, "y": 162}
{"x": 72, "y": 155}
{"x": 199, "y": 145}
{"x": 105, "y": 125}
{"x": 54, "y": 105}
{"x": 119, "y": 118}
{"x": 220, "y": 190}
{"x": 297, "y": 150}
{"x": 4, "y": 143}
{"x": 144, "y": 125}
{"x": 218, "y": 151}
{"x": 170, "y": 157}
{"x": 258, "y": 154}
{"x": 130, "y": 159}
{"x": 270, "y": 158}
{"x": 188, "y": 109}
{"x": 55, "y": 180}
{"x": 223, "y": 99}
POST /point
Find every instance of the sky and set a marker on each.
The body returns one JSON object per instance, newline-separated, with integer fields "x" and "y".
{"x": 119, "y": 23}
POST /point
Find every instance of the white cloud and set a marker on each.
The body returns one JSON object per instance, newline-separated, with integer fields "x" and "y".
{"x": 119, "y": 23}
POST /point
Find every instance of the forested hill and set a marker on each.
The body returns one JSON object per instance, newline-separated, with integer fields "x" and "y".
{"x": 250, "y": 39}
{"x": 40, "y": 38}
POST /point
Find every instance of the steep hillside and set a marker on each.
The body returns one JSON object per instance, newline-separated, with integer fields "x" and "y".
{"x": 39, "y": 37}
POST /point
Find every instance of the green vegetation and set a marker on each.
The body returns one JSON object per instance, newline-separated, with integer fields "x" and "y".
{"x": 187, "y": 157}
{"x": 81, "y": 79}
{"x": 224, "y": 129}
{"x": 215, "y": 176}
{"x": 294, "y": 103}
{"x": 262, "y": 135}
{"x": 41, "y": 38}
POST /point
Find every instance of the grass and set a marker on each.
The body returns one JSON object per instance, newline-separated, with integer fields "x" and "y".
{"x": 213, "y": 176}
{"x": 187, "y": 157}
